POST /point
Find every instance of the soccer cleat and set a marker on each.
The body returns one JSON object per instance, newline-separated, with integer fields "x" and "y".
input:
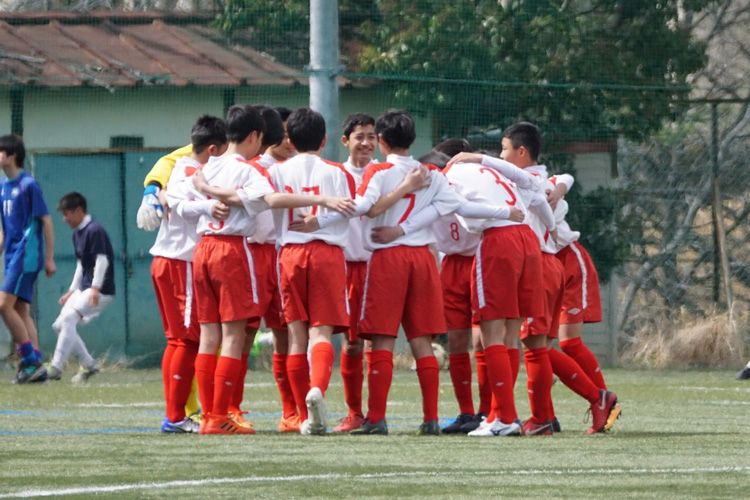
{"x": 429, "y": 428}
{"x": 239, "y": 417}
{"x": 84, "y": 374}
{"x": 30, "y": 373}
{"x": 497, "y": 428}
{"x": 225, "y": 425}
{"x": 556, "y": 425}
{"x": 53, "y": 373}
{"x": 316, "y": 409}
{"x": 473, "y": 424}
{"x": 613, "y": 416}
{"x": 531, "y": 428}
{"x": 349, "y": 423}
{"x": 600, "y": 411}
{"x": 379, "y": 428}
{"x": 456, "y": 427}
{"x": 304, "y": 427}
{"x": 184, "y": 426}
{"x": 744, "y": 374}
{"x": 290, "y": 424}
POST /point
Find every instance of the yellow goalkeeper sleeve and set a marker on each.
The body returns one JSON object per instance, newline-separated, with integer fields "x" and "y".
{"x": 162, "y": 169}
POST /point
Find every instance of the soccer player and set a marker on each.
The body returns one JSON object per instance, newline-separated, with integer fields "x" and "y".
{"x": 28, "y": 243}
{"x": 521, "y": 145}
{"x": 225, "y": 279}
{"x": 402, "y": 282}
{"x": 90, "y": 292}
{"x": 172, "y": 275}
{"x": 360, "y": 139}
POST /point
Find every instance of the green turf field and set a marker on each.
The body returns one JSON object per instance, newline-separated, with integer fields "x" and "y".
{"x": 682, "y": 434}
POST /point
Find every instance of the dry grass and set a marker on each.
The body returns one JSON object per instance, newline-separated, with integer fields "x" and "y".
{"x": 711, "y": 342}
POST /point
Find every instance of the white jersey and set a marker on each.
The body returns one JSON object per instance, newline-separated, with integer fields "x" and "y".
{"x": 310, "y": 174}
{"x": 265, "y": 230}
{"x": 233, "y": 171}
{"x": 453, "y": 238}
{"x": 177, "y": 236}
{"x": 483, "y": 184}
{"x": 355, "y": 250}
{"x": 383, "y": 178}
{"x": 565, "y": 235}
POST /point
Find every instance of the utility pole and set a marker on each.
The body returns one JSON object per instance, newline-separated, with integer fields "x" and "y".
{"x": 323, "y": 68}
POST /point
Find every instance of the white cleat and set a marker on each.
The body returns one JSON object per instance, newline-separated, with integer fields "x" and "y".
{"x": 496, "y": 428}
{"x": 316, "y": 409}
{"x": 304, "y": 428}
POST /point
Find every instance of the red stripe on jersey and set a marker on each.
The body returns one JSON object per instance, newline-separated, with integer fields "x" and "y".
{"x": 370, "y": 173}
{"x": 349, "y": 179}
{"x": 262, "y": 171}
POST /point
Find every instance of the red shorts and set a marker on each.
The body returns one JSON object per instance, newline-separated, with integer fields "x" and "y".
{"x": 581, "y": 302}
{"x": 355, "y": 283}
{"x": 554, "y": 285}
{"x": 225, "y": 285}
{"x": 269, "y": 298}
{"x": 173, "y": 286}
{"x": 312, "y": 278}
{"x": 402, "y": 287}
{"x": 455, "y": 276}
{"x": 506, "y": 279}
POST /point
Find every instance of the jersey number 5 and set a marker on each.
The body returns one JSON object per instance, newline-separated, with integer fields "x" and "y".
{"x": 510, "y": 202}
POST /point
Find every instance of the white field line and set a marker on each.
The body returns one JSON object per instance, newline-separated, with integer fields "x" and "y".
{"x": 710, "y": 389}
{"x": 144, "y": 404}
{"x": 88, "y": 490}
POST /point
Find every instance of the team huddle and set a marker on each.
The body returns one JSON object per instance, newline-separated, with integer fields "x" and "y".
{"x": 254, "y": 224}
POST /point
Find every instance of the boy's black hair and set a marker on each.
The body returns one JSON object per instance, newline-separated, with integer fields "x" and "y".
{"x": 284, "y": 112}
{"x": 207, "y": 131}
{"x": 274, "y": 133}
{"x": 453, "y": 146}
{"x": 71, "y": 201}
{"x": 243, "y": 120}
{"x": 527, "y": 135}
{"x": 306, "y": 129}
{"x": 11, "y": 145}
{"x": 396, "y": 128}
{"x": 357, "y": 119}
{"x": 434, "y": 157}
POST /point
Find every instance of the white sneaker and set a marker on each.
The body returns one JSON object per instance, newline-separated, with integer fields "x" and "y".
{"x": 316, "y": 409}
{"x": 84, "y": 374}
{"x": 496, "y": 428}
{"x": 304, "y": 427}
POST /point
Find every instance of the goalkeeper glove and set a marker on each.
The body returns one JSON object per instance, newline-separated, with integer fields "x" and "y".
{"x": 150, "y": 212}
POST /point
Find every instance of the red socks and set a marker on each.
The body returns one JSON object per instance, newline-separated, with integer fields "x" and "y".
{"x": 166, "y": 363}
{"x": 428, "y": 372}
{"x": 225, "y": 382}
{"x": 321, "y": 357}
{"x": 573, "y": 376}
{"x": 352, "y": 375}
{"x": 501, "y": 382}
{"x": 485, "y": 392}
{"x": 459, "y": 366}
{"x": 298, "y": 372}
{"x": 288, "y": 406}
{"x": 539, "y": 384}
{"x": 514, "y": 356}
{"x": 576, "y": 349}
{"x": 181, "y": 371}
{"x": 205, "y": 368}
{"x": 239, "y": 384}
{"x": 379, "y": 378}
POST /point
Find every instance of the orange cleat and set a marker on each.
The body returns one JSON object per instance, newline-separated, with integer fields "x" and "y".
{"x": 289, "y": 424}
{"x": 349, "y": 423}
{"x": 239, "y": 417}
{"x": 601, "y": 410}
{"x": 225, "y": 425}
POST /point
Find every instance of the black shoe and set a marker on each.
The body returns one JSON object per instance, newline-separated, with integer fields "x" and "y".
{"x": 473, "y": 423}
{"x": 455, "y": 427}
{"x": 429, "y": 428}
{"x": 30, "y": 373}
{"x": 744, "y": 374}
{"x": 379, "y": 428}
{"x": 556, "y": 425}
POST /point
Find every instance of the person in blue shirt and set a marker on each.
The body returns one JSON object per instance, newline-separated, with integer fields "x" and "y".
{"x": 92, "y": 288}
{"x": 28, "y": 243}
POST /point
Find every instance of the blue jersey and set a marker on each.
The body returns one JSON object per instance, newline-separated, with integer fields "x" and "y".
{"x": 23, "y": 205}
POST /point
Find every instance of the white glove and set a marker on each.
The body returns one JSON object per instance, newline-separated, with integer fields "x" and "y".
{"x": 150, "y": 212}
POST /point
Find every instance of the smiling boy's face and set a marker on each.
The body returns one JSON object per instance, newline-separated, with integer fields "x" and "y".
{"x": 361, "y": 144}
